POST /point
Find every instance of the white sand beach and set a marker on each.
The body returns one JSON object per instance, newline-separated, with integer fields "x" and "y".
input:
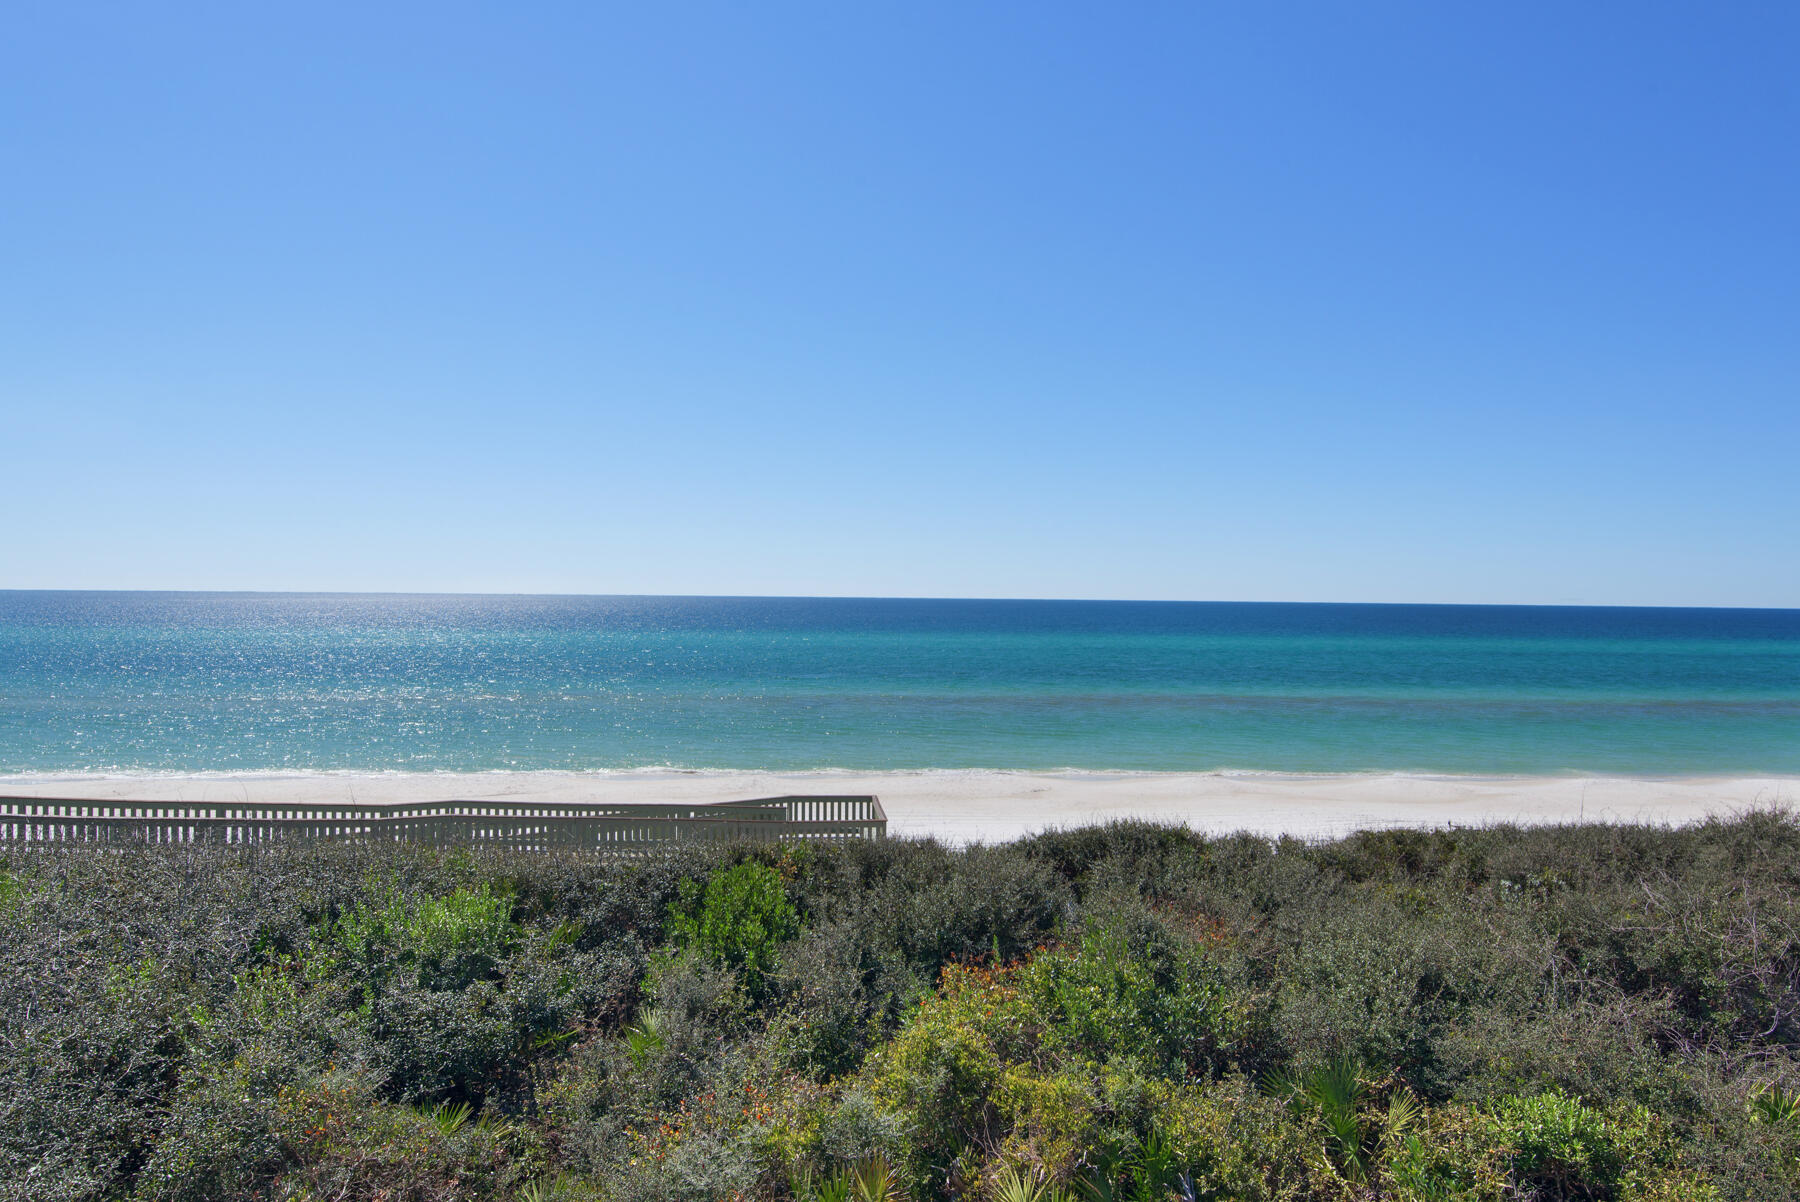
{"x": 964, "y": 807}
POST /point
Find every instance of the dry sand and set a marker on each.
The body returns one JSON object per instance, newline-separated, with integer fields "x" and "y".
{"x": 962, "y": 807}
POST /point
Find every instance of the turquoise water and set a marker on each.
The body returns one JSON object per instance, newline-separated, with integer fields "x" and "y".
{"x": 176, "y": 682}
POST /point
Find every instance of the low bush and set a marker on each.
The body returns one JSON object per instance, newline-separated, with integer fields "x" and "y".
{"x": 1591, "y": 1012}
{"x": 740, "y": 917}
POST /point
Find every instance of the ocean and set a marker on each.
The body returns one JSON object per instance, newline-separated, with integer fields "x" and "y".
{"x": 246, "y": 683}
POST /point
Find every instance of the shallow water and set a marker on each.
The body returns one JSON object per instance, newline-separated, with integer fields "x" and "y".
{"x": 177, "y": 682}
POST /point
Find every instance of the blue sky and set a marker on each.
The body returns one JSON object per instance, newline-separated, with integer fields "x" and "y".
{"x": 1425, "y": 302}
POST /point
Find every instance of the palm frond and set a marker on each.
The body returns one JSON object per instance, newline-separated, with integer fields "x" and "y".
{"x": 1098, "y": 1185}
{"x": 1404, "y": 1109}
{"x": 874, "y": 1180}
{"x": 1016, "y": 1185}
{"x": 807, "y": 1186}
{"x": 644, "y": 1038}
{"x": 1772, "y": 1104}
{"x": 1153, "y": 1170}
{"x": 448, "y": 1118}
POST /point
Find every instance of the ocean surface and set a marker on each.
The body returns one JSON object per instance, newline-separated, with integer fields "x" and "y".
{"x": 191, "y": 682}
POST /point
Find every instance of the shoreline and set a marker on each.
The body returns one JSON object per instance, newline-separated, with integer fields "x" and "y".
{"x": 961, "y": 806}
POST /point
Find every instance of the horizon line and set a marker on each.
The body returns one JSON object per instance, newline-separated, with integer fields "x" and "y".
{"x": 259, "y": 592}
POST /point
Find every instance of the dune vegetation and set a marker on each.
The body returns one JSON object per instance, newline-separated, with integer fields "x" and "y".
{"x": 1121, "y": 1012}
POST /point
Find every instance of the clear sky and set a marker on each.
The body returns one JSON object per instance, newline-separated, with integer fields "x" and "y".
{"x": 1422, "y": 302}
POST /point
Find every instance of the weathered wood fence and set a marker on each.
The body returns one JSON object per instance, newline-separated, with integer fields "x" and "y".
{"x": 526, "y": 825}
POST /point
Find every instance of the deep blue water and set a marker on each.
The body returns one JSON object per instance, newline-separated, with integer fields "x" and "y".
{"x": 183, "y": 682}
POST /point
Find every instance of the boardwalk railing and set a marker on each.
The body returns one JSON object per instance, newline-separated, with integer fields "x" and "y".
{"x": 527, "y": 825}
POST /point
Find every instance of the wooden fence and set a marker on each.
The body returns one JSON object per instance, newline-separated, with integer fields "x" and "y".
{"x": 526, "y": 825}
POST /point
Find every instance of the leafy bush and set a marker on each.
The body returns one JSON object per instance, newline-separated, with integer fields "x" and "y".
{"x": 446, "y": 943}
{"x": 1587, "y": 1012}
{"x": 1232, "y": 1140}
{"x": 1164, "y": 1002}
{"x": 740, "y": 917}
{"x": 1556, "y": 1146}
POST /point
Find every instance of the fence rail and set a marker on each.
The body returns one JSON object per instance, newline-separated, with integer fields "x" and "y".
{"x": 525, "y": 825}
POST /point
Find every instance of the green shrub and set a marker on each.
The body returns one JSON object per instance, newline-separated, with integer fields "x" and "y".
{"x": 1144, "y": 859}
{"x": 1586, "y": 1010}
{"x": 1052, "y": 1119}
{"x": 221, "y": 1138}
{"x": 739, "y": 917}
{"x": 347, "y": 1143}
{"x": 445, "y": 943}
{"x": 857, "y": 1128}
{"x": 1163, "y": 1001}
{"x": 1231, "y": 1139}
{"x": 838, "y": 994}
{"x": 1555, "y": 1146}
{"x": 1444, "y": 1156}
{"x": 943, "y": 1067}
